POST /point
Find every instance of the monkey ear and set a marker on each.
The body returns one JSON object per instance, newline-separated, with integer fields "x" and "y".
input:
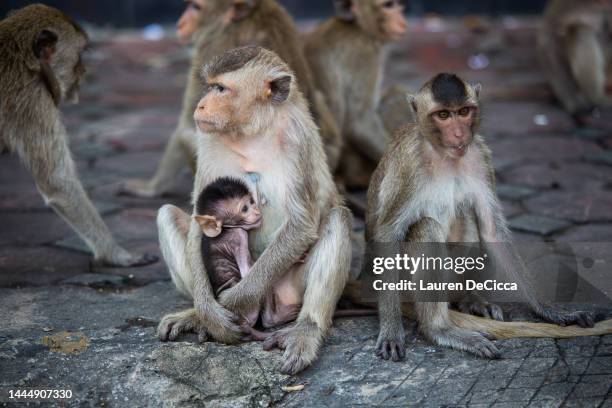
{"x": 477, "y": 89}
{"x": 211, "y": 227}
{"x": 344, "y": 10}
{"x": 412, "y": 101}
{"x": 278, "y": 89}
{"x": 241, "y": 9}
{"x": 44, "y": 45}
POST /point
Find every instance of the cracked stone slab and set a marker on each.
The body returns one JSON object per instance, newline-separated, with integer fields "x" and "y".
{"x": 91, "y": 151}
{"x": 514, "y": 193}
{"x": 95, "y": 280}
{"x": 538, "y": 224}
{"x": 122, "y": 364}
{"x": 590, "y": 133}
{"x": 577, "y": 206}
{"x": 600, "y": 158}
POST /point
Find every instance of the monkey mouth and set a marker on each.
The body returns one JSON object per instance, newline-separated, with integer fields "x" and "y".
{"x": 458, "y": 150}
{"x": 253, "y": 225}
{"x": 205, "y": 124}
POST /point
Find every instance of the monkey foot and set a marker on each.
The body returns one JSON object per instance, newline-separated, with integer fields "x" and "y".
{"x": 175, "y": 324}
{"x": 128, "y": 260}
{"x": 391, "y": 349}
{"x": 391, "y": 342}
{"x": 482, "y": 309}
{"x": 138, "y": 188}
{"x": 473, "y": 342}
{"x": 582, "y": 319}
{"x": 254, "y": 334}
{"x": 301, "y": 343}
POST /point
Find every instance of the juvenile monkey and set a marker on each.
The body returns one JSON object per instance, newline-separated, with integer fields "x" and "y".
{"x": 226, "y": 211}
{"x": 220, "y": 26}
{"x": 254, "y": 124}
{"x": 436, "y": 183}
{"x": 40, "y": 67}
{"x": 350, "y": 49}
{"x": 574, "y": 49}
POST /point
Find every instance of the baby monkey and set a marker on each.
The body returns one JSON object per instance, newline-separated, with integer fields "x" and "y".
{"x": 226, "y": 211}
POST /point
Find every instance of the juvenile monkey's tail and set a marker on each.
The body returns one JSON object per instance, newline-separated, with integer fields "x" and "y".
{"x": 511, "y": 330}
{"x": 498, "y": 330}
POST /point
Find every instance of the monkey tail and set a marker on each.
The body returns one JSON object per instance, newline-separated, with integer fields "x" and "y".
{"x": 511, "y": 330}
{"x": 498, "y": 330}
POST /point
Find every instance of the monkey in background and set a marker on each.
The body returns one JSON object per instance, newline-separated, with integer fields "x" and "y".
{"x": 217, "y": 26}
{"x": 41, "y": 67}
{"x": 574, "y": 49}
{"x": 347, "y": 56}
{"x": 436, "y": 183}
{"x": 253, "y": 110}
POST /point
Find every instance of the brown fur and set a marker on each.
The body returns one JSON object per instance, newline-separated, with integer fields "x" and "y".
{"x": 267, "y": 25}
{"x": 574, "y": 50}
{"x": 303, "y": 213}
{"x": 398, "y": 210}
{"x": 344, "y": 51}
{"x": 40, "y": 67}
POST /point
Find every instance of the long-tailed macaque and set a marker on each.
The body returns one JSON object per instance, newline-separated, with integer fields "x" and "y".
{"x": 347, "y": 56}
{"x": 436, "y": 183}
{"x": 574, "y": 48}
{"x": 40, "y": 67}
{"x": 254, "y": 124}
{"x": 223, "y": 25}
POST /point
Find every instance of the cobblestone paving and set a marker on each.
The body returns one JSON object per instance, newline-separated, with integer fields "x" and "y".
{"x": 555, "y": 181}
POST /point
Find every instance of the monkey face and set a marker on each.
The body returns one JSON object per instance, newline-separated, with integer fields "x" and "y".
{"x": 219, "y": 110}
{"x": 394, "y": 25}
{"x": 249, "y": 212}
{"x": 454, "y": 129}
{"x": 242, "y": 95}
{"x": 383, "y": 19}
{"x": 190, "y": 20}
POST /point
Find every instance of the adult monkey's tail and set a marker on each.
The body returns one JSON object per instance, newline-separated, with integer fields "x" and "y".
{"x": 498, "y": 330}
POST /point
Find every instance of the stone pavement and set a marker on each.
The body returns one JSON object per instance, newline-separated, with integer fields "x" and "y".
{"x": 68, "y": 324}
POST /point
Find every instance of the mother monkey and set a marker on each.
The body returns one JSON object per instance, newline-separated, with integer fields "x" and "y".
{"x": 254, "y": 124}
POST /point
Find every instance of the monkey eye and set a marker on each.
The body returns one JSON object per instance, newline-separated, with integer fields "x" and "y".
{"x": 252, "y": 201}
{"x": 193, "y": 5}
{"x": 245, "y": 209}
{"x": 443, "y": 114}
{"x": 389, "y": 4}
{"x": 464, "y": 111}
{"x": 219, "y": 88}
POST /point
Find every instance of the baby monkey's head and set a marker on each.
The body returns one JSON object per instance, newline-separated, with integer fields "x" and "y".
{"x": 227, "y": 202}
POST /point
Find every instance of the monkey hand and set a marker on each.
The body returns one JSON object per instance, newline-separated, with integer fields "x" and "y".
{"x": 139, "y": 188}
{"x": 221, "y": 324}
{"x": 122, "y": 258}
{"x": 241, "y": 298}
{"x": 174, "y": 324}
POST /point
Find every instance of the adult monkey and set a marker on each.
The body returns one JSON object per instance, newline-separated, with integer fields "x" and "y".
{"x": 574, "y": 49}
{"x": 223, "y": 25}
{"x": 40, "y": 67}
{"x": 436, "y": 184}
{"x": 254, "y": 124}
{"x": 349, "y": 49}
